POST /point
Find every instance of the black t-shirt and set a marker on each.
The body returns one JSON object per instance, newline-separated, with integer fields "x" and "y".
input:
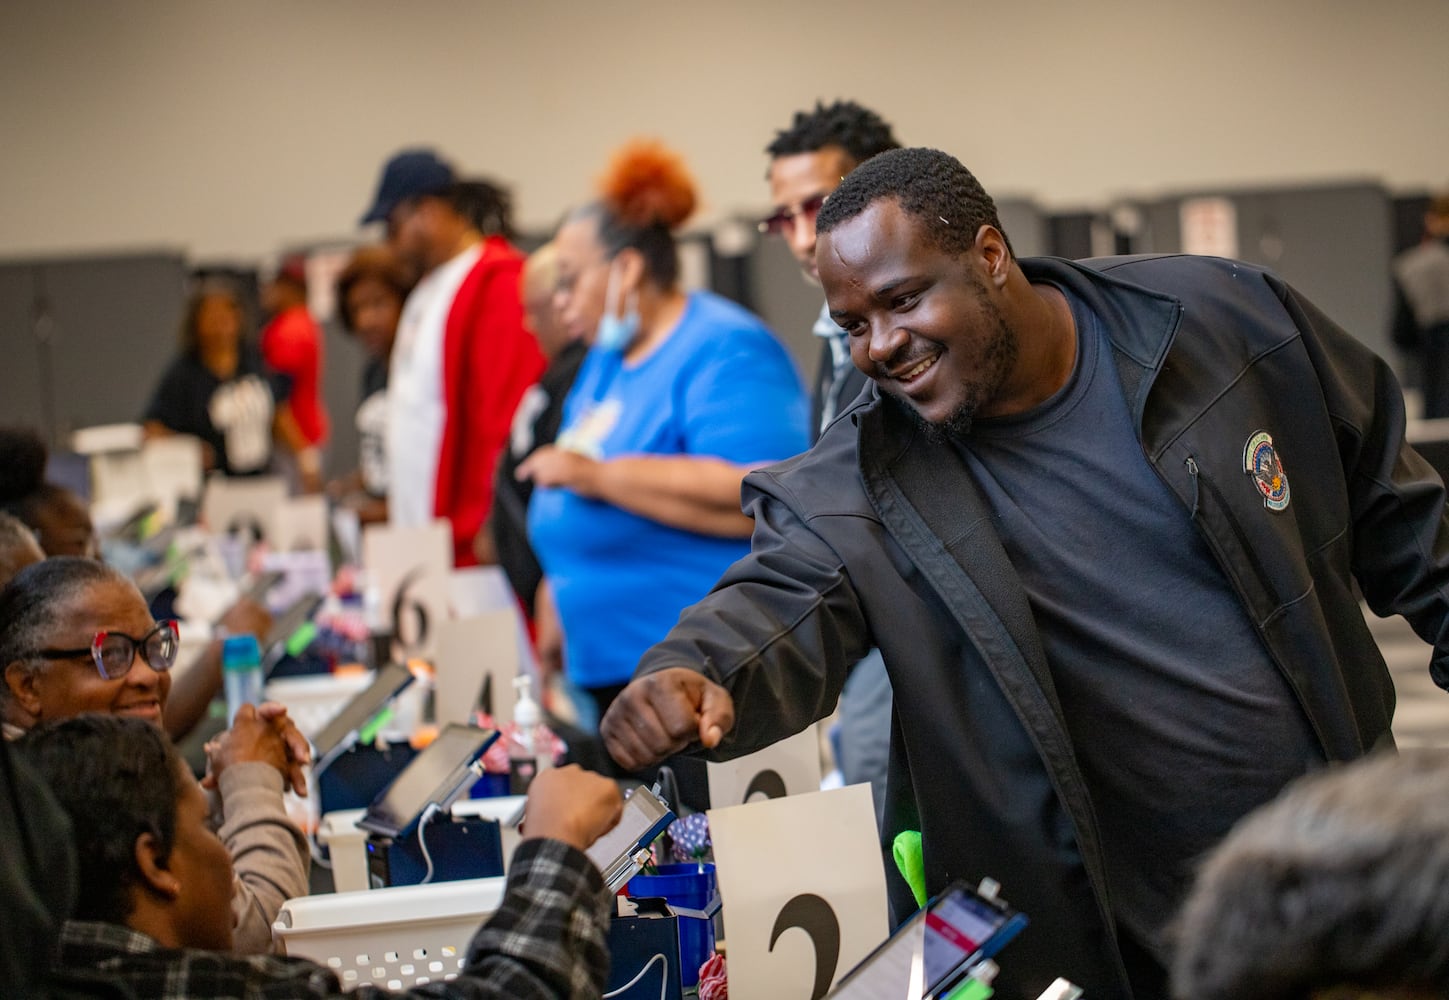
{"x": 374, "y": 377}
{"x": 233, "y": 416}
{"x": 535, "y": 422}
{"x": 1180, "y": 718}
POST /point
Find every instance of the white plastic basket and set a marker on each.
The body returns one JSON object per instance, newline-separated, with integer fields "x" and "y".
{"x": 312, "y": 702}
{"x": 391, "y": 938}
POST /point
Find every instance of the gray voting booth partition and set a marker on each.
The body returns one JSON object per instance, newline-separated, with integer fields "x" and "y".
{"x": 1331, "y": 242}
{"x": 86, "y": 338}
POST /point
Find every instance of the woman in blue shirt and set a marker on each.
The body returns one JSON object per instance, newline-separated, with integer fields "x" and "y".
{"x": 637, "y": 507}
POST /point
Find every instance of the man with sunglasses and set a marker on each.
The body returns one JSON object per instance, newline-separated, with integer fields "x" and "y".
{"x": 76, "y": 637}
{"x": 808, "y": 161}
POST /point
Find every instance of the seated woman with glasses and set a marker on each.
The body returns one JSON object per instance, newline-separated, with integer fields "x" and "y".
{"x": 76, "y": 637}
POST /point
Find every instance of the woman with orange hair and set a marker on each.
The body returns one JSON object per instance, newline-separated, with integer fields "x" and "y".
{"x": 637, "y": 507}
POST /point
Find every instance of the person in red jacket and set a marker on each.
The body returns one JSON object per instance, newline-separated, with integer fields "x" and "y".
{"x": 463, "y": 356}
{"x": 291, "y": 345}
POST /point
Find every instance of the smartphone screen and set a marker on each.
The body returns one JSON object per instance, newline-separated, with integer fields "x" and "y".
{"x": 933, "y": 950}
{"x": 958, "y": 926}
{"x": 644, "y": 817}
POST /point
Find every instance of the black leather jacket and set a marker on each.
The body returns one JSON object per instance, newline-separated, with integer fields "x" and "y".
{"x": 878, "y": 537}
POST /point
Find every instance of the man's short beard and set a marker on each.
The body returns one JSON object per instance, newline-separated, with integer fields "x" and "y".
{"x": 956, "y": 426}
{"x": 998, "y": 364}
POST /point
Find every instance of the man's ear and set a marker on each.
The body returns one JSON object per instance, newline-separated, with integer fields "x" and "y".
{"x": 994, "y": 254}
{"x": 20, "y": 679}
{"x": 154, "y": 874}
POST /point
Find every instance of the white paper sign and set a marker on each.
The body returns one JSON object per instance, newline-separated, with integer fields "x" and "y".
{"x": 300, "y": 525}
{"x": 243, "y": 506}
{"x": 410, "y": 567}
{"x": 790, "y": 767}
{"x": 469, "y": 650}
{"x": 173, "y": 469}
{"x": 804, "y": 891}
{"x": 475, "y": 589}
{"x": 1209, "y": 227}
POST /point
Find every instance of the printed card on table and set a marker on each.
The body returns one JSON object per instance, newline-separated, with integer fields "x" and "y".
{"x": 243, "y": 506}
{"x": 410, "y": 567}
{"x": 804, "y": 890}
{"x": 789, "y": 767}
{"x": 300, "y": 525}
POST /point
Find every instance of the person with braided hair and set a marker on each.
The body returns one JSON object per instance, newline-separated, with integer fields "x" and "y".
{"x": 636, "y": 507}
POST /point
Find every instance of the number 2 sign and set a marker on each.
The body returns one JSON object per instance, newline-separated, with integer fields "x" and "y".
{"x": 803, "y": 885}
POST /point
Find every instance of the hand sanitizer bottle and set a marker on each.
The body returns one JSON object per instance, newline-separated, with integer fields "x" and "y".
{"x": 530, "y": 748}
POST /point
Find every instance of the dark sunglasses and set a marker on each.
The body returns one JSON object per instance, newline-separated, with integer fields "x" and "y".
{"x": 114, "y": 652}
{"x": 785, "y": 218}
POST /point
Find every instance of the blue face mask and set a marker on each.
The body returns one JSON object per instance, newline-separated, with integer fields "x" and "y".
{"x": 616, "y": 332}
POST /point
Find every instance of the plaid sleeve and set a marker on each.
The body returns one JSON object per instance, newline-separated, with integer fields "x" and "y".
{"x": 549, "y": 938}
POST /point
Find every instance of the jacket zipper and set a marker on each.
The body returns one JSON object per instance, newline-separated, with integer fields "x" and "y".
{"x": 1262, "y": 579}
{"x": 1221, "y": 501}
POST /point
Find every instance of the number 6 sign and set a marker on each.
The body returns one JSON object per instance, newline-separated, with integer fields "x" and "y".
{"x": 409, "y": 567}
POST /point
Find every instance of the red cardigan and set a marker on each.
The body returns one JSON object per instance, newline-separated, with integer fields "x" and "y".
{"x": 489, "y": 359}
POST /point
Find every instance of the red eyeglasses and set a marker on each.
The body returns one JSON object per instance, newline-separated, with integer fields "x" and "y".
{"x": 114, "y": 652}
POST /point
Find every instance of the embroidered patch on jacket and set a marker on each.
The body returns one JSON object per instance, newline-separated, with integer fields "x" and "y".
{"x": 1261, "y": 461}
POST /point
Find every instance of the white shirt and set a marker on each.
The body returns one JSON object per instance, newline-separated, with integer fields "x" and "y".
{"x": 415, "y": 409}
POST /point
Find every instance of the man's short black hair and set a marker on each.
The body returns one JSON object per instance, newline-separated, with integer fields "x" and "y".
{"x": 859, "y": 131}
{"x": 930, "y": 185}
{"x": 115, "y": 778}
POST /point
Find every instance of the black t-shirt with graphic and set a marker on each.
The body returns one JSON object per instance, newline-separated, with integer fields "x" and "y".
{"x": 233, "y": 416}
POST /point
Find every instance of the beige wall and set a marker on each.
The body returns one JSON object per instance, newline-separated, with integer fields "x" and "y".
{"x": 233, "y": 128}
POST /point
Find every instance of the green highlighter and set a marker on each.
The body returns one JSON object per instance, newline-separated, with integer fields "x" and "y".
{"x": 911, "y": 862}
{"x": 299, "y": 640}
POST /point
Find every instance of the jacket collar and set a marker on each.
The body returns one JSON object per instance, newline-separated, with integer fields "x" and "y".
{"x": 1140, "y": 323}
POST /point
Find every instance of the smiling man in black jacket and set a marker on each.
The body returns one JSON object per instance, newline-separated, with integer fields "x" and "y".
{"x": 1103, "y": 520}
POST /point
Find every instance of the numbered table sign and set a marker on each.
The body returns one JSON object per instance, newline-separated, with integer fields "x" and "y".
{"x": 470, "y": 650}
{"x": 410, "y": 567}
{"x": 804, "y": 890}
{"x": 789, "y": 767}
{"x": 243, "y": 506}
{"x": 301, "y": 525}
